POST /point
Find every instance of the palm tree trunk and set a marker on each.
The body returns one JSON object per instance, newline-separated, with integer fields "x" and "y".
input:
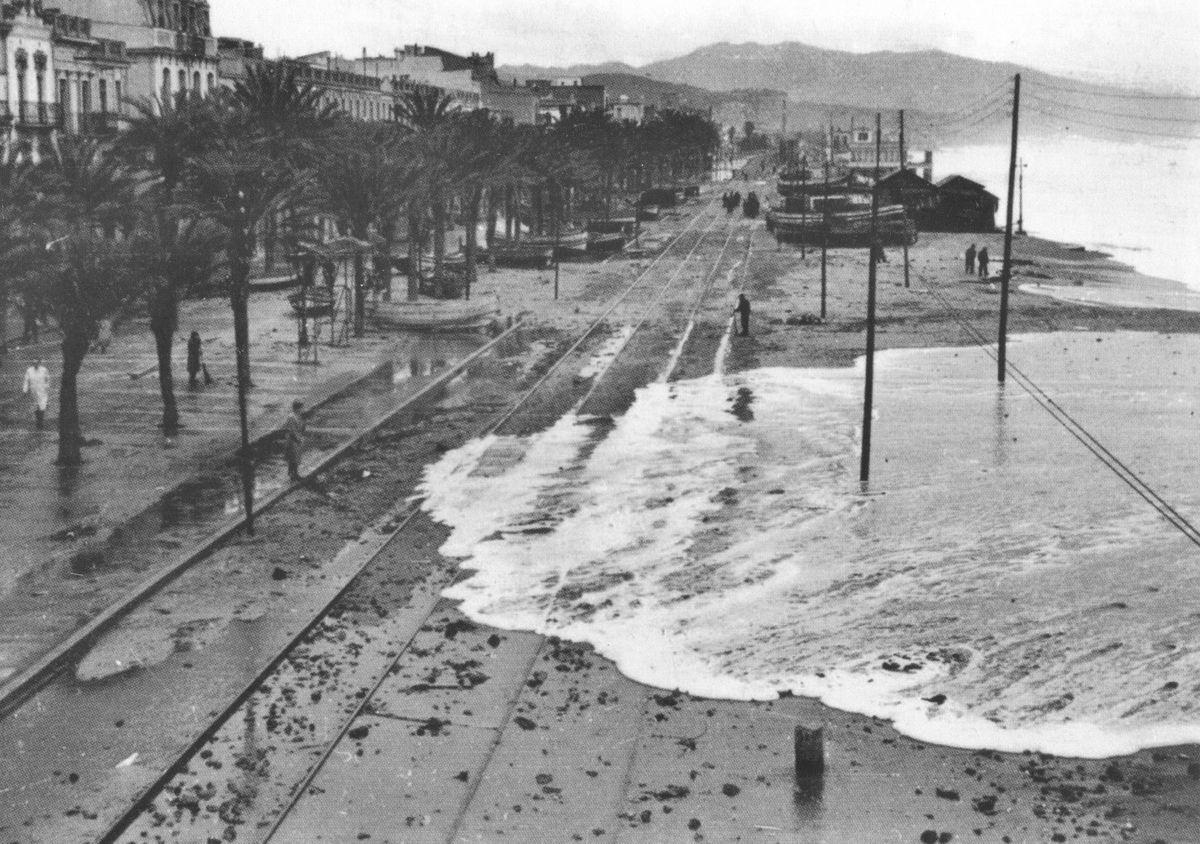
{"x": 414, "y": 254}
{"x": 3, "y": 318}
{"x": 439, "y": 241}
{"x": 163, "y": 339}
{"x": 474, "y": 200}
{"x": 239, "y": 300}
{"x": 70, "y": 438}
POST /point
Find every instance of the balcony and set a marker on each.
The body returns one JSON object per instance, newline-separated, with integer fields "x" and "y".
{"x": 72, "y": 27}
{"x": 38, "y": 114}
{"x": 195, "y": 45}
{"x": 105, "y": 49}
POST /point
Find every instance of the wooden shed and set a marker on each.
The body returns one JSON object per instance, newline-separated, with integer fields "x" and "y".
{"x": 963, "y": 206}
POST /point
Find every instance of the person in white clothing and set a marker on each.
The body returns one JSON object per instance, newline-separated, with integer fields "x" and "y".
{"x": 37, "y": 387}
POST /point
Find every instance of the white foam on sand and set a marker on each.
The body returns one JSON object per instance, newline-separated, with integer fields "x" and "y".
{"x": 717, "y": 540}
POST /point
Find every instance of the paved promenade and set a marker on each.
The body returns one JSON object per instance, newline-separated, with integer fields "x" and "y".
{"x": 128, "y": 461}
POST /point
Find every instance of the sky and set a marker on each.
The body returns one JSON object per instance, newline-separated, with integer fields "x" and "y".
{"x": 1151, "y": 44}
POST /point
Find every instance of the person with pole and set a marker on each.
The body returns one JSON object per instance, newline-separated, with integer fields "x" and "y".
{"x": 742, "y": 311}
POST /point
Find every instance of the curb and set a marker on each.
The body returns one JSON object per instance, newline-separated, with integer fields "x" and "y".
{"x": 20, "y": 687}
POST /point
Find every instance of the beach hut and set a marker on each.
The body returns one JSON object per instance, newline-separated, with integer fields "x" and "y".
{"x": 918, "y": 195}
{"x": 963, "y": 206}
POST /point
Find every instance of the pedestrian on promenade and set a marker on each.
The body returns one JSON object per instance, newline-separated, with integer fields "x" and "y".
{"x": 877, "y": 254}
{"x": 293, "y": 432}
{"x": 37, "y": 387}
{"x": 971, "y": 259}
{"x": 743, "y": 311}
{"x": 193, "y": 360}
{"x": 983, "y": 262}
{"x": 104, "y": 335}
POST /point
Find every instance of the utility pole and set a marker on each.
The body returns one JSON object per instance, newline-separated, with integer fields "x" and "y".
{"x": 803, "y": 204}
{"x": 904, "y": 167}
{"x": 824, "y": 237}
{"x": 1006, "y": 271}
{"x": 783, "y": 135}
{"x": 864, "y": 471}
{"x": 557, "y": 224}
{"x": 1021, "y": 197}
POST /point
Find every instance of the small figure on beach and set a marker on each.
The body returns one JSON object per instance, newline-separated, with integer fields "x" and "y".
{"x": 743, "y": 312}
{"x": 751, "y": 205}
{"x": 293, "y": 444}
{"x": 970, "y": 262}
{"x": 983, "y": 262}
{"x": 194, "y": 363}
{"x": 37, "y": 387}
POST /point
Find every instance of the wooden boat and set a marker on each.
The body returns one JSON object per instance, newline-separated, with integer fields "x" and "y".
{"x": 565, "y": 244}
{"x": 522, "y": 254}
{"x": 648, "y": 213}
{"x": 268, "y": 284}
{"x": 427, "y": 314}
{"x": 846, "y": 228}
{"x": 605, "y": 244}
{"x": 613, "y": 225}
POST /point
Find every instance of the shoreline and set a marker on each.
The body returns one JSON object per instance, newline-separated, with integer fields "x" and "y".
{"x": 904, "y": 788}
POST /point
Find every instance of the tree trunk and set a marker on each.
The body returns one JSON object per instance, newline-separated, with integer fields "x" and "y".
{"x": 388, "y": 232}
{"x": 163, "y": 339}
{"x": 536, "y": 196}
{"x": 508, "y": 213}
{"x": 3, "y": 318}
{"x": 70, "y": 438}
{"x": 490, "y": 234}
{"x": 439, "y": 243}
{"x": 239, "y": 300}
{"x": 474, "y": 200}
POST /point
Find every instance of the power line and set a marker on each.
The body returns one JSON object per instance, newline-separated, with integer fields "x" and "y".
{"x": 995, "y": 112}
{"x": 1145, "y": 133}
{"x": 978, "y": 108}
{"x": 1118, "y": 96}
{"x": 1191, "y": 121}
{"x": 1077, "y": 429}
{"x": 987, "y": 95}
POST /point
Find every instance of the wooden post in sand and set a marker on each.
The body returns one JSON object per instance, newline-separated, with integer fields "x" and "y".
{"x": 825, "y": 235}
{"x": 1006, "y": 270}
{"x": 810, "y": 751}
{"x": 904, "y": 166}
{"x": 864, "y": 470}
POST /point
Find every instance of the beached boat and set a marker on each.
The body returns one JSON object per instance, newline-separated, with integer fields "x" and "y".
{"x": 648, "y": 213}
{"x": 605, "y": 244}
{"x": 613, "y": 225}
{"x": 427, "y": 314}
{"x": 846, "y": 228}
{"x": 565, "y": 244}
{"x": 522, "y": 254}
{"x": 311, "y": 302}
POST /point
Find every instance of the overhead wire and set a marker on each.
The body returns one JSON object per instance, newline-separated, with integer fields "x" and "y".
{"x": 1076, "y": 429}
{"x": 1191, "y": 121}
{"x": 1117, "y": 95}
{"x": 1146, "y": 133}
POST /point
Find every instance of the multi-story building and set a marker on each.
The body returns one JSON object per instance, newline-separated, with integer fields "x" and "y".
{"x": 513, "y": 102}
{"x": 625, "y": 110}
{"x": 855, "y": 151}
{"x": 417, "y": 67}
{"x": 92, "y": 76}
{"x": 29, "y": 113}
{"x": 169, "y": 43}
{"x": 561, "y": 97}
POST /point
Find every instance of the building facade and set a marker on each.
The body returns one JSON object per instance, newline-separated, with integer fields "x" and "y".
{"x": 30, "y": 114}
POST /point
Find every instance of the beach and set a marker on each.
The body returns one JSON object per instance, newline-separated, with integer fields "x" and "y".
{"x": 880, "y": 784}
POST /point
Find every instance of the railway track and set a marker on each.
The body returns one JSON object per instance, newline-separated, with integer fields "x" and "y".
{"x": 324, "y": 640}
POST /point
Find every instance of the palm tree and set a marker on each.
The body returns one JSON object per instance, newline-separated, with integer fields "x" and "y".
{"x": 358, "y": 174}
{"x": 164, "y": 135}
{"x": 94, "y": 279}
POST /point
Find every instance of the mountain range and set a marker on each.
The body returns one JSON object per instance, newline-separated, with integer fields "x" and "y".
{"x": 748, "y": 82}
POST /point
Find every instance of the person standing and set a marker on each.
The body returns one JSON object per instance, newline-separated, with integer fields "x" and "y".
{"x": 983, "y": 262}
{"x": 293, "y": 433}
{"x": 37, "y": 387}
{"x": 193, "y": 359}
{"x": 743, "y": 312}
{"x": 971, "y": 259}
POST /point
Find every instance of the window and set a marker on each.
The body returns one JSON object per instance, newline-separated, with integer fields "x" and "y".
{"x": 64, "y": 94}
{"x": 182, "y": 79}
{"x": 211, "y": 82}
{"x": 166, "y": 85}
{"x": 862, "y": 137}
{"x": 102, "y": 90}
{"x": 85, "y": 96}
{"x": 196, "y": 81}
{"x": 117, "y": 96}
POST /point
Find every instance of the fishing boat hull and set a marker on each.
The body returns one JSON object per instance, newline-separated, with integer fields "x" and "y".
{"x": 426, "y": 314}
{"x": 846, "y": 229}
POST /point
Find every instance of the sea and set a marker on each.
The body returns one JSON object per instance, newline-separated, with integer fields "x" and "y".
{"x": 996, "y": 584}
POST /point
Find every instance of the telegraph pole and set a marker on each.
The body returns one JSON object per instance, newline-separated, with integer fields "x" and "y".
{"x": 1006, "y": 271}
{"x": 1021, "y": 198}
{"x": 864, "y": 472}
{"x": 803, "y": 203}
{"x": 824, "y": 237}
{"x": 904, "y": 166}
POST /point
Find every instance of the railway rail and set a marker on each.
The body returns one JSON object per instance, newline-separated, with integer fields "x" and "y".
{"x": 632, "y": 309}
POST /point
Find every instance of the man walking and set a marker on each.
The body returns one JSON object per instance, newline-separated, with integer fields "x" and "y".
{"x": 293, "y": 444}
{"x": 971, "y": 259}
{"x": 983, "y": 262}
{"x": 37, "y": 387}
{"x": 743, "y": 311}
